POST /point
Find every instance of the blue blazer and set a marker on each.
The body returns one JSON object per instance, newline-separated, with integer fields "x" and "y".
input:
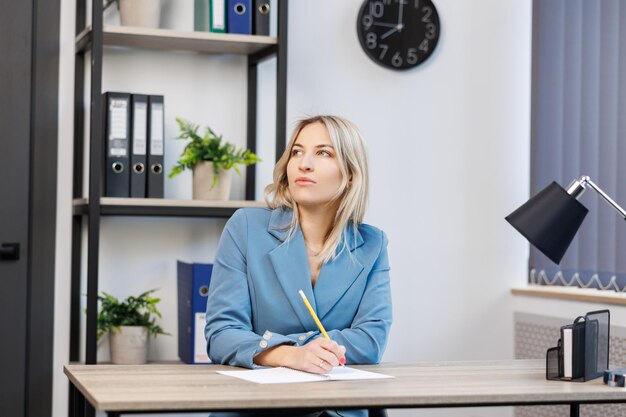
{"x": 253, "y": 301}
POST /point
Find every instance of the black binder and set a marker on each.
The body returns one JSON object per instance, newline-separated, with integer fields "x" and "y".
{"x": 156, "y": 146}
{"x": 261, "y": 21}
{"x": 138, "y": 145}
{"x": 117, "y": 133}
{"x": 589, "y": 349}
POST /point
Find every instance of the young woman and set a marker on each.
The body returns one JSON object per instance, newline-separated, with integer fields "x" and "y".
{"x": 311, "y": 238}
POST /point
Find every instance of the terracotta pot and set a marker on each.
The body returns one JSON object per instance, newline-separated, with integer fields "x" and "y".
{"x": 142, "y": 13}
{"x": 129, "y": 346}
{"x": 203, "y": 179}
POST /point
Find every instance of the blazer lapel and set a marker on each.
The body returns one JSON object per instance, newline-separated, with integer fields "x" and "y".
{"x": 337, "y": 276}
{"x": 291, "y": 266}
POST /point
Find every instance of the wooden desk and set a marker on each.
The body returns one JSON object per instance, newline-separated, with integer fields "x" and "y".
{"x": 149, "y": 388}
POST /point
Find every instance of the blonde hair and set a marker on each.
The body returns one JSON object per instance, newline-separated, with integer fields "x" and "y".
{"x": 353, "y": 191}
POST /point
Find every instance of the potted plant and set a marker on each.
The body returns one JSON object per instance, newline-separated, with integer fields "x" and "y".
{"x": 129, "y": 323}
{"x": 142, "y": 13}
{"x": 210, "y": 160}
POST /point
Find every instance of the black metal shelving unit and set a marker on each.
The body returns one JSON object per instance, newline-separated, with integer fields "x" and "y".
{"x": 163, "y": 207}
{"x": 87, "y": 211}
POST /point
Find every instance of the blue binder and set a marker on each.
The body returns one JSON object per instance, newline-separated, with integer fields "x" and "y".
{"x": 240, "y": 16}
{"x": 193, "y": 289}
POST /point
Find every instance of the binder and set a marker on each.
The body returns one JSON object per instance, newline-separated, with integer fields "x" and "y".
{"x": 201, "y": 13}
{"x": 240, "y": 17}
{"x": 138, "y": 145}
{"x": 117, "y": 132}
{"x": 155, "y": 147}
{"x": 217, "y": 15}
{"x": 193, "y": 289}
{"x": 582, "y": 352}
{"x": 261, "y": 17}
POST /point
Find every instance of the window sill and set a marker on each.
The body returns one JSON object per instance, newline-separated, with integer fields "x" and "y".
{"x": 572, "y": 293}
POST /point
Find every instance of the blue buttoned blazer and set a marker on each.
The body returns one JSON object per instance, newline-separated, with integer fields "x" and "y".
{"x": 253, "y": 302}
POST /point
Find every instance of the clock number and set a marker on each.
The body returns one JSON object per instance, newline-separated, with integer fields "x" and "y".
{"x": 427, "y": 12}
{"x": 384, "y": 50}
{"x": 370, "y": 40}
{"x": 423, "y": 46}
{"x": 396, "y": 60}
{"x": 411, "y": 56}
{"x": 431, "y": 31}
{"x": 368, "y": 21}
{"x": 387, "y": 2}
{"x": 417, "y": 4}
{"x": 377, "y": 9}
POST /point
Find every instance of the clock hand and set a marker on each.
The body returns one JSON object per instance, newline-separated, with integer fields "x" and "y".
{"x": 389, "y": 32}
{"x": 400, "y": 7}
{"x": 384, "y": 24}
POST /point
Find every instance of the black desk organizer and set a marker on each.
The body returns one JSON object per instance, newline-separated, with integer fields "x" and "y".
{"x": 590, "y": 349}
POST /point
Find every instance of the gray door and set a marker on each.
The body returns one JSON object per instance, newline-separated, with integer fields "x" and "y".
{"x": 29, "y": 58}
{"x": 15, "y": 112}
{"x": 15, "y": 73}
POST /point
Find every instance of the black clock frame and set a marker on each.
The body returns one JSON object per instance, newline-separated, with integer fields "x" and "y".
{"x": 409, "y": 42}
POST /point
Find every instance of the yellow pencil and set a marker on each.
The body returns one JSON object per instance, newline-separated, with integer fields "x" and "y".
{"x": 315, "y": 318}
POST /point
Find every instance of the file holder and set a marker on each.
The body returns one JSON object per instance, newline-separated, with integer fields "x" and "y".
{"x": 591, "y": 346}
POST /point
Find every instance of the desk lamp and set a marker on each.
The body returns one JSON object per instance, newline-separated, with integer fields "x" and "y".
{"x": 550, "y": 219}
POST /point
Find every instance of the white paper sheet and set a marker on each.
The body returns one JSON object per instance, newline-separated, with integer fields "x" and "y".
{"x": 289, "y": 376}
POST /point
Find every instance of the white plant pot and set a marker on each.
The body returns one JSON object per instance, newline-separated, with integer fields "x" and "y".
{"x": 142, "y": 13}
{"x": 129, "y": 346}
{"x": 203, "y": 179}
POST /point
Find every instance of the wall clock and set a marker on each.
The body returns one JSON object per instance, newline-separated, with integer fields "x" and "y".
{"x": 398, "y": 34}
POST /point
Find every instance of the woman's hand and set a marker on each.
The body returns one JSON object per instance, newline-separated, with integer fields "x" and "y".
{"x": 318, "y": 356}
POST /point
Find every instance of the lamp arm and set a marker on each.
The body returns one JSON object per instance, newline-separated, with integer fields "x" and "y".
{"x": 578, "y": 186}
{"x": 608, "y": 199}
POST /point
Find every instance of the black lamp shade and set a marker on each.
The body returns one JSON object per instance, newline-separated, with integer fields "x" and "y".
{"x": 549, "y": 220}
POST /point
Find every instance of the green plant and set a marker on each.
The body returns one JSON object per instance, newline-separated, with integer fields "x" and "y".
{"x": 209, "y": 148}
{"x": 133, "y": 311}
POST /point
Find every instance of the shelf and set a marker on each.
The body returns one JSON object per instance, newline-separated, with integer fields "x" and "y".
{"x": 100, "y": 41}
{"x": 572, "y": 293}
{"x": 166, "y": 39}
{"x": 110, "y": 206}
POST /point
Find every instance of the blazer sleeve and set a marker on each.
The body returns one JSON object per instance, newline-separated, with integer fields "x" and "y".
{"x": 228, "y": 330}
{"x": 366, "y": 339}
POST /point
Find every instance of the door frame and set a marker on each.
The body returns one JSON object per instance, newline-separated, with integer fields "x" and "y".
{"x": 41, "y": 251}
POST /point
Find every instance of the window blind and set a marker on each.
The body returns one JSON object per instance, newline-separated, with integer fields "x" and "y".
{"x": 578, "y": 127}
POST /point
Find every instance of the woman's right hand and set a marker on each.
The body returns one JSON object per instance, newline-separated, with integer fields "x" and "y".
{"x": 318, "y": 356}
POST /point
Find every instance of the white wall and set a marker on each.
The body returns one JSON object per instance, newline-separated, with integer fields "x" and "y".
{"x": 449, "y": 148}
{"x": 449, "y": 151}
